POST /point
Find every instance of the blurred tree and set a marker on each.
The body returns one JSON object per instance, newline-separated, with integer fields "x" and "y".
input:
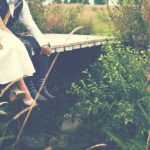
{"x": 99, "y": 1}
{"x": 66, "y": 1}
{"x": 80, "y": 1}
{"x": 130, "y": 21}
{"x": 57, "y": 1}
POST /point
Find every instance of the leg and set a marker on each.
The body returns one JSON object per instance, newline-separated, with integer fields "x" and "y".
{"x": 41, "y": 64}
{"x": 29, "y": 80}
{"x": 28, "y": 100}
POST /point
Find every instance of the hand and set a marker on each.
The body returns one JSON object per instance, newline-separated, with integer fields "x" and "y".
{"x": 1, "y": 46}
{"x": 45, "y": 50}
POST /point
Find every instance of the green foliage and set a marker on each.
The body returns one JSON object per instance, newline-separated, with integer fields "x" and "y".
{"x": 38, "y": 12}
{"x": 112, "y": 99}
{"x": 131, "y": 145}
{"x": 99, "y": 1}
{"x": 129, "y": 22}
{"x": 70, "y": 21}
{"x": 80, "y": 1}
{"x": 101, "y": 24}
{"x": 71, "y": 1}
{"x": 57, "y": 1}
{"x": 64, "y": 18}
{"x": 65, "y": 21}
{"x": 78, "y": 15}
{"x": 39, "y": 16}
{"x": 5, "y": 133}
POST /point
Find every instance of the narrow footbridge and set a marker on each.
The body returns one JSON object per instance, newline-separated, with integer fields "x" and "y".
{"x": 77, "y": 52}
{"x": 65, "y": 42}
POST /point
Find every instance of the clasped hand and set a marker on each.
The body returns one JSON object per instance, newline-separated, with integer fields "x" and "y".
{"x": 45, "y": 50}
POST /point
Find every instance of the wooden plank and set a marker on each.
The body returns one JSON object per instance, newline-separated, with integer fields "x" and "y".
{"x": 76, "y": 46}
{"x": 61, "y": 49}
{"x": 90, "y": 44}
{"x": 59, "y": 43}
{"x": 68, "y": 48}
{"x": 61, "y": 39}
{"x": 84, "y": 45}
{"x": 97, "y": 43}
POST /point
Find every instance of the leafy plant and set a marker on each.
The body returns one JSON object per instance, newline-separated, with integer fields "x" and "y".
{"x": 109, "y": 96}
{"x": 5, "y": 133}
{"x": 129, "y": 22}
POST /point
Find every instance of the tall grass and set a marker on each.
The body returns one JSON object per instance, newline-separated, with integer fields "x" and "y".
{"x": 62, "y": 18}
{"x": 65, "y": 17}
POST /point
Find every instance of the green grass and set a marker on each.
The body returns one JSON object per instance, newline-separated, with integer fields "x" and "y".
{"x": 95, "y": 19}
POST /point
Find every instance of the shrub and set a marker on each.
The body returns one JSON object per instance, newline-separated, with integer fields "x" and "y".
{"x": 129, "y": 22}
{"x": 5, "y": 133}
{"x": 65, "y": 21}
{"x": 71, "y": 16}
{"x": 112, "y": 99}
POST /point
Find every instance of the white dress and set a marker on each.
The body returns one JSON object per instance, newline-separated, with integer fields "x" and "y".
{"x": 15, "y": 62}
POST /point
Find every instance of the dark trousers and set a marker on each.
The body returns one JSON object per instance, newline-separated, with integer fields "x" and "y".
{"x": 40, "y": 62}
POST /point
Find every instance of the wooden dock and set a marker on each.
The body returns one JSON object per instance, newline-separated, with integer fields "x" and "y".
{"x": 65, "y": 42}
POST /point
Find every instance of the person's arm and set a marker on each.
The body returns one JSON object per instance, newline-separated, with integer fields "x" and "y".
{"x": 26, "y": 18}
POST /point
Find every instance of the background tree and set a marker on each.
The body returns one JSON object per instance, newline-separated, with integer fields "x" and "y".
{"x": 99, "y": 1}
{"x": 80, "y": 1}
{"x": 129, "y": 22}
{"x": 66, "y": 1}
{"x": 57, "y": 1}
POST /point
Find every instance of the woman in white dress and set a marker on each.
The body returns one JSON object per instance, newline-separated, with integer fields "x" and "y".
{"x": 15, "y": 62}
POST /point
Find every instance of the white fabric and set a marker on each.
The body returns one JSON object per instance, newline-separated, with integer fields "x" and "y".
{"x": 26, "y": 18}
{"x": 14, "y": 59}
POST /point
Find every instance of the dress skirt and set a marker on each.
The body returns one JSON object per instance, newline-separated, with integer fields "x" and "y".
{"x": 15, "y": 62}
